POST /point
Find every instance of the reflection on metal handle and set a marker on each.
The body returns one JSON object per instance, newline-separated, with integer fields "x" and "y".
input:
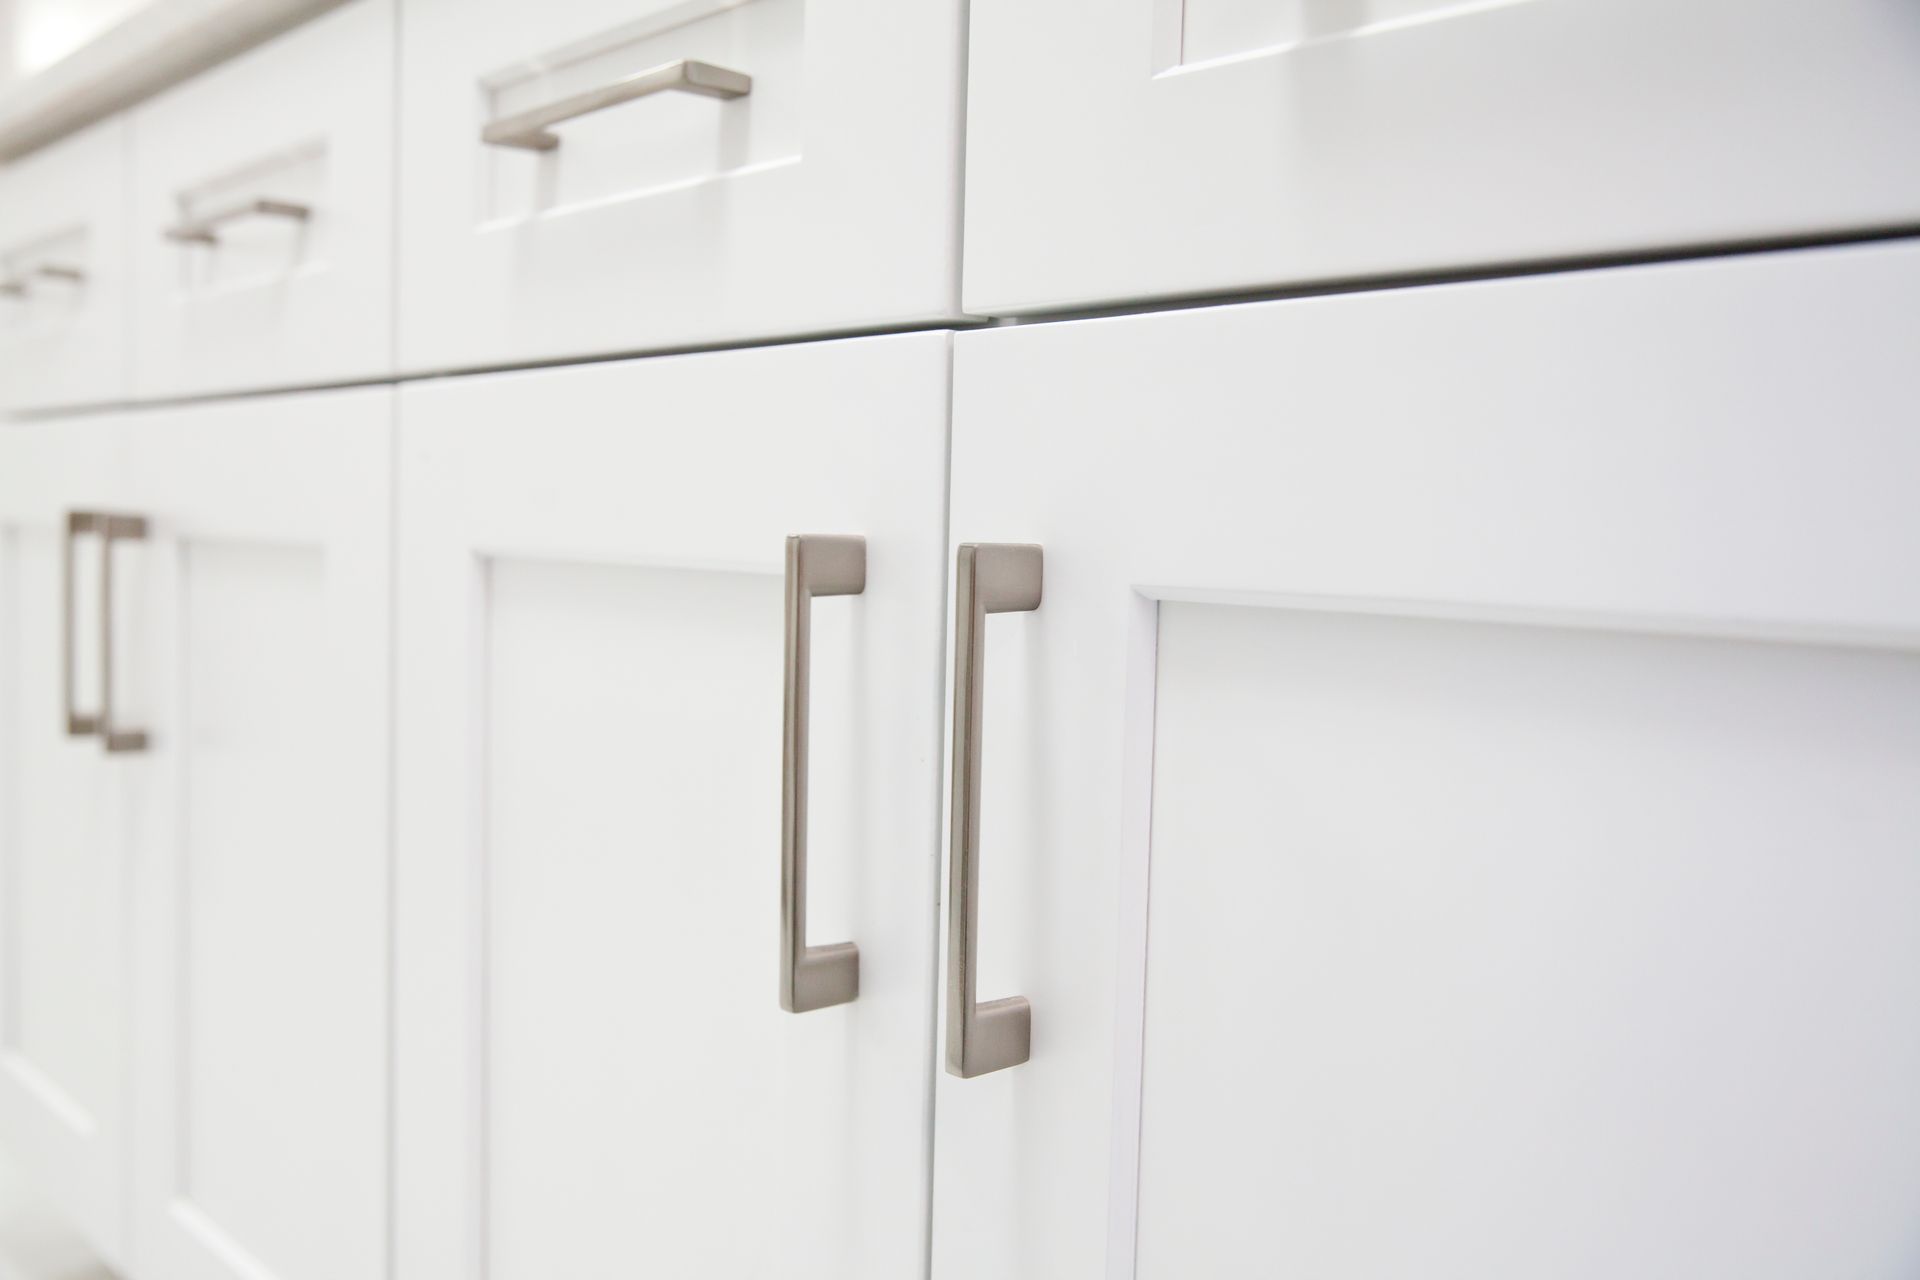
{"x": 203, "y": 229}
{"x": 78, "y": 725}
{"x": 810, "y": 977}
{"x": 15, "y": 286}
{"x": 112, "y": 529}
{"x": 989, "y": 577}
{"x": 528, "y": 129}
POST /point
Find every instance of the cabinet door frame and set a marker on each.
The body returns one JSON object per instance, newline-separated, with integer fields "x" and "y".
{"x": 1715, "y": 449}
{"x": 309, "y": 474}
{"x": 704, "y": 463}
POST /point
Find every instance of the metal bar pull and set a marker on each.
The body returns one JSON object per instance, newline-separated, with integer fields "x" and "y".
{"x": 529, "y": 129}
{"x": 205, "y": 228}
{"x": 989, "y": 577}
{"x": 79, "y": 724}
{"x": 810, "y": 977}
{"x": 112, "y": 529}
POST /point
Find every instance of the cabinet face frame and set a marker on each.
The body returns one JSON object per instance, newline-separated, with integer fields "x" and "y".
{"x": 258, "y": 639}
{"x": 75, "y": 1151}
{"x": 1713, "y": 449}
{"x": 651, "y": 501}
{"x": 1167, "y": 148}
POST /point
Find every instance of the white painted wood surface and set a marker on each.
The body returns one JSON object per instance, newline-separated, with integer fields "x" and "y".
{"x": 306, "y": 119}
{"x": 593, "y": 1061}
{"x": 1121, "y": 149}
{"x": 826, "y": 199}
{"x": 64, "y": 341}
{"x": 65, "y": 865}
{"x": 1516, "y": 684}
{"x": 259, "y": 650}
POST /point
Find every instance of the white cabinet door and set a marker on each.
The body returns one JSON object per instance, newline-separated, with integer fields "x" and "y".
{"x": 596, "y": 1074}
{"x": 825, "y": 198}
{"x": 260, "y": 648}
{"x": 1452, "y": 810}
{"x": 1123, "y": 149}
{"x": 65, "y": 890}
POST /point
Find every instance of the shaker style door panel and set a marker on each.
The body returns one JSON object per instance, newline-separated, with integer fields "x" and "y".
{"x": 591, "y": 176}
{"x": 263, "y": 214}
{"x": 63, "y": 272}
{"x": 1451, "y": 810}
{"x": 598, "y": 1068}
{"x": 65, "y": 871}
{"x": 1122, "y": 149}
{"x": 260, "y": 646}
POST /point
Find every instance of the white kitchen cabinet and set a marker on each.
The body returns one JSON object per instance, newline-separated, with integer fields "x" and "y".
{"x": 65, "y": 873}
{"x": 257, "y": 641}
{"x": 263, "y": 220}
{"x": 1123, "y": 149}
{"x": 825, "y": 197}
{"x": 595, "y": 1067}
{"x": 64, "y": 272}
{"x": 1452, "y": 810}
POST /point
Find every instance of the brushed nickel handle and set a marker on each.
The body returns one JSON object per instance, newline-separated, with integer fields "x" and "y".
{"x": 16, "y": 286}
{"x": 528, "y": 129}
{"x": 112, "y": 529}
{"x": 79, "y": 725}
{"x": 990, "y": 577}
{"x": 205, "y": 228}
{"x": 829, "y": 974}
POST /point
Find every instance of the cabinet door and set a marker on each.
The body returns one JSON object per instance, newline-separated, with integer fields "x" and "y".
{"x": 1452, "y": 811}
{"x": 1123, "y": 149}
{"x": 596, "y": 1073}
{"x": 260, "y": 642}
{"x": 65, "y": 891}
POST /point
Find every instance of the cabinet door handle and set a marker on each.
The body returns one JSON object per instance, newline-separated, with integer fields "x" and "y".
{"x": 205, "y": 228}
{"x": 810, "y": 977}
{"x": 989, "y": 577}
{"x": 79, "y": 724}
{"x": 528, "y": 129}
{"x": 112, "y": 529}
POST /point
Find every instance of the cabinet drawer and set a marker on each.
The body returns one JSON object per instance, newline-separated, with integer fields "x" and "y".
{"x": 263, "y": 215}
{"x": 1121, "y": 149}
{"x": 63, "y": 272}
{"x": 824, "y": 197}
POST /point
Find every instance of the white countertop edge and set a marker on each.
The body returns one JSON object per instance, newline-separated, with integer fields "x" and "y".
{"x": 152, "y": 50}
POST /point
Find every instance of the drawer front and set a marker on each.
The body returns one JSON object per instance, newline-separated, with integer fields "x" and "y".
{"x": 63, "y": 272}
{"x": 263, "y": 219}
{"x": 1123, "y": 149}
{"x": 825, "y": 197}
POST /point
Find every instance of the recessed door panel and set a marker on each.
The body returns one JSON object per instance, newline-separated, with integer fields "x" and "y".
{"x": 1543, "y": 945}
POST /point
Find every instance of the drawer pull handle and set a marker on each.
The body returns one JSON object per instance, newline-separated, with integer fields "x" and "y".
{"x": 829, "y": 974}
{"x": 17, "y": 286}
{"x": 989, "y": 577}
{"x": 205, "y": 228}
{"x": 528, "y": 129}
{"x": 111, "y": 529}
